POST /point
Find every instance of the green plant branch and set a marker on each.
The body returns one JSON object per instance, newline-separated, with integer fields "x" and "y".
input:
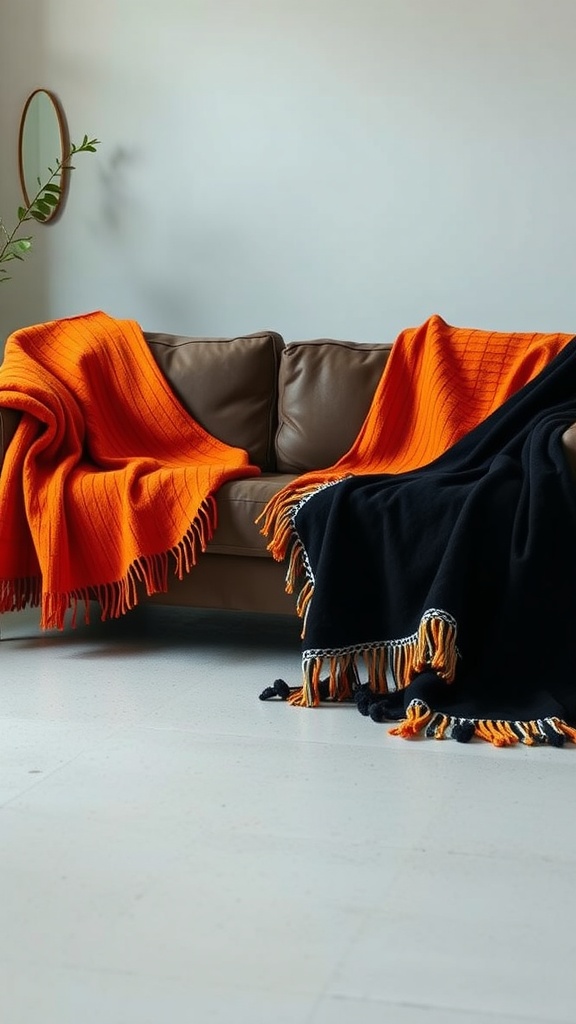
{"x": 40, "y": 208}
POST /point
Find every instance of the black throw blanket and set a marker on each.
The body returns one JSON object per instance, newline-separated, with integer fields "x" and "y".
{"x": 445, "y": 598}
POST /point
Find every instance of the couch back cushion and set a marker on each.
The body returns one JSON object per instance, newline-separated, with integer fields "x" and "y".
{"x": 325, "y": 391}
{"x": 229, "y": 385}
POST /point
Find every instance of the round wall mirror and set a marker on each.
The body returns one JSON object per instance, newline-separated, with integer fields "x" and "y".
{"x": 42, "y": 142}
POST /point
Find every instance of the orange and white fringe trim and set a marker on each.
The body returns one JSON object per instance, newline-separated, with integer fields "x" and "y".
{"x": 420, "y": 718}
{"x": 390, "y": 665}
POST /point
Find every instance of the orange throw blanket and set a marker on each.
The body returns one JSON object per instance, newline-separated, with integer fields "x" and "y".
{"x": 439, "y": 383}
{"x": 107, "y": 480}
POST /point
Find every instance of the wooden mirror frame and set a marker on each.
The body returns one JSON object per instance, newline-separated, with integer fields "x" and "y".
{"x": 64, "y": 151}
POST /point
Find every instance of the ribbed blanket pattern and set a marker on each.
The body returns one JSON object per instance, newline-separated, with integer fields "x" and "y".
{"x": 108, "y": 482}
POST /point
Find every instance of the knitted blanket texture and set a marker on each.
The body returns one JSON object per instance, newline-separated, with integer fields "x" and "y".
{"x": 108, "y": 482}
{"x": 436, "y": 562}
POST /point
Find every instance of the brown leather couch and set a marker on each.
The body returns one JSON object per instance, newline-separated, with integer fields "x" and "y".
{"x": 293, "y": 407}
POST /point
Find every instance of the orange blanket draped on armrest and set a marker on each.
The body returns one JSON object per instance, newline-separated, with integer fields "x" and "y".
{"x": 438, "y": 384}
{"x": 108, "y": 479}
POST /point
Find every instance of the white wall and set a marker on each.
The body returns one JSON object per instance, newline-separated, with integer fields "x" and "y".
{"x": 321, "y": 167}
{"x": 25, "y": 298}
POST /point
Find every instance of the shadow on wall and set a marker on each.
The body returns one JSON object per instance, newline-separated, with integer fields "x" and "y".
{"x": 140, "y": 246}
{"x": 117, "y": 203}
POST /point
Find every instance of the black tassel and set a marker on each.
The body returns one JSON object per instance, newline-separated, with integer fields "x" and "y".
{"x": 364, "y": 698}
{"x": 377, "y": 710}
{"x": 324, "y": 688}
{"x": 282, "y": 689}
{"x": 463, "y": 731}
{"x": 554, "y": 736}
{"x": 267, "y": 693}
{"x": 278, "y": 689}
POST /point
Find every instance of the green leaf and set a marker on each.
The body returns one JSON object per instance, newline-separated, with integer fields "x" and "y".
{"x": 22, "y": 213}
{"x": 24, "y": 244}
{"x": 52, "y": 187}
{"x": 38, "y": 216}
{"x": 41, "y": 207}
{"x": 50, "y": 199}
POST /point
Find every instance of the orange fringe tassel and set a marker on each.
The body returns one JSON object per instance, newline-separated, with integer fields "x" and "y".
{"x": 418, "y": 715}
{"x": 566, "y": 729}
{"x": 15, "y": 595}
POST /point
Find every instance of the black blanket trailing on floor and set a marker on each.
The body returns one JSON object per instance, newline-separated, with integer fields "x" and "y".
{"x": 446, "y": 597}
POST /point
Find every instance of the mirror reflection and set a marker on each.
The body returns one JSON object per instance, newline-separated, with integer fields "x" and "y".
{"x": 43, "y": 141}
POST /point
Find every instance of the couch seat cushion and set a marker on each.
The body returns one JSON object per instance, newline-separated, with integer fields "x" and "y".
{"x": 240, "y": 502}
